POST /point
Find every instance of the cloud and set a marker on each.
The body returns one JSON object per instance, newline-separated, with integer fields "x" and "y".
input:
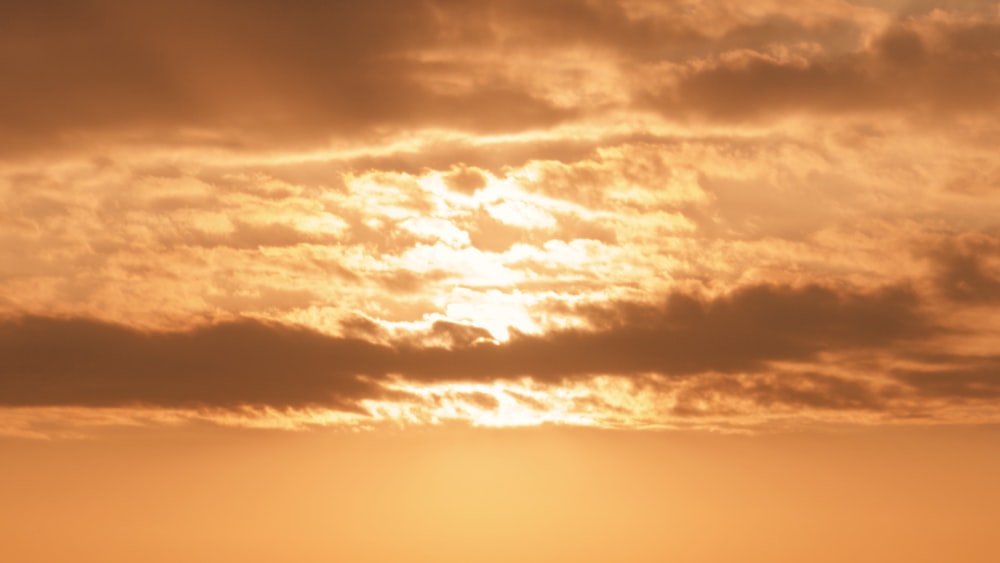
{"x": 802, "y": 391}
{"x": 962, "y": 269}
{"x": 258, "y": 74}
{"x": 926, "y": 68}
{"x": 408, "y": 178}
{"x": 966, "y": 379}
{"x": 685, "y": 335}
{"x": 249, "y": 236}
{"x": 235, "y": 72}
{"x": 48, "y": 361}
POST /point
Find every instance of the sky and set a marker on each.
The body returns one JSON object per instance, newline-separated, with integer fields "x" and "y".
{"x": 611, "y": 268}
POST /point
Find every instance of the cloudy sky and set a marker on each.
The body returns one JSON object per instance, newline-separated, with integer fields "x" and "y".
{"x": 711, "y": 217}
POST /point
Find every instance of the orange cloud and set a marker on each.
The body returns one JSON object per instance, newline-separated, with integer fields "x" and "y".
{"x": 729, "y": 207}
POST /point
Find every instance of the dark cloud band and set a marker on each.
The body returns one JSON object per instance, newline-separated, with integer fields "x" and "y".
{"x": 49, "y": 361}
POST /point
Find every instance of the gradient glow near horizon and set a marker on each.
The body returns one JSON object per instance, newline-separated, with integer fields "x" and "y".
{"x": 732, "y": 216}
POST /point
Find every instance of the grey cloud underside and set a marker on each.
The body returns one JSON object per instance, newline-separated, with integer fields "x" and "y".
{"x": 725, "y": 346}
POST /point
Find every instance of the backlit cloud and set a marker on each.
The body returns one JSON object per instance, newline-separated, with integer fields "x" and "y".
{"x": 618, "y": 213}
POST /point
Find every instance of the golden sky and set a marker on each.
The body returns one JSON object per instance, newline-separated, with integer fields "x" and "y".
{"x": 400, "y": 217}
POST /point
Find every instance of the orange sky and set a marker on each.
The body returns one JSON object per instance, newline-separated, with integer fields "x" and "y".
{"x": 417, "y": 218}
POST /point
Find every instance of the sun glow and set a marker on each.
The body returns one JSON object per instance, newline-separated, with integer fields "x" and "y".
{"x": 489, "y": 405}
{"x": 493, "y": 310}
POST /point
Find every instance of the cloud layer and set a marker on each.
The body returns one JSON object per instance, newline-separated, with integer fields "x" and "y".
{"x": 697, "y": 355}
{"x": 577, "y": 211}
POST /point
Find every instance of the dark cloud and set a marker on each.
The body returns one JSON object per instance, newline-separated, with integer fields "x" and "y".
{"x": 261, "y": 73}
{"x": 740, "y": 332}
{"x": 45, "y": 361}
{"x": 783, "y": 390}
{"x": 669, "y": 32}
{"x": 961, "y": 269}
{"x": 951, "y": 70}
{"x": 973, "y": 381}
{"x": 254, "y": 71}
{"x": 258, "y": 73}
